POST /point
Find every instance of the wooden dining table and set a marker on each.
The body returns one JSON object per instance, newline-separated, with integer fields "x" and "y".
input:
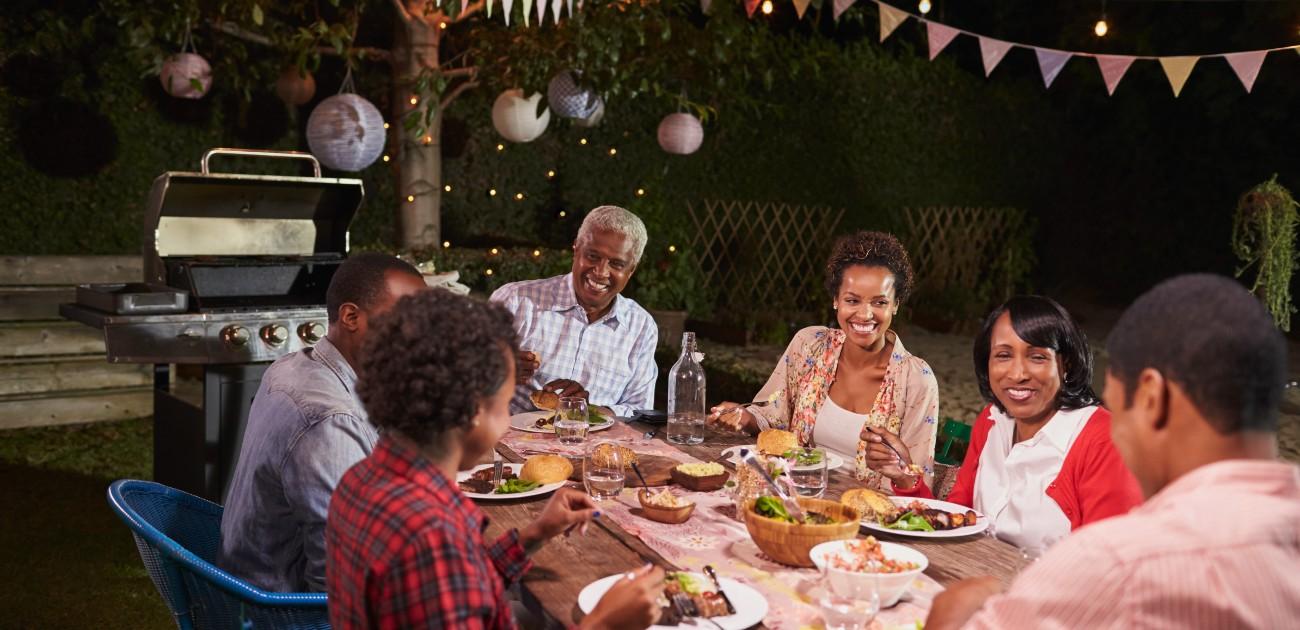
{"x": 566, "y": 565}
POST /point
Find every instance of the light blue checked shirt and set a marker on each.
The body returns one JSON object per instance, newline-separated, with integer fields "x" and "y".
{"x": 613, "y": 357}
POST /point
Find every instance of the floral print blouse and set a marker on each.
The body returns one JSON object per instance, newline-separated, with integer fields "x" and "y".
{"x": 907, "y": 404}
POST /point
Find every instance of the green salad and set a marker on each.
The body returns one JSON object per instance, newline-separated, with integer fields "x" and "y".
{"x": 772, "y": 508}
{"x": 804, "y": 458}
{"x": 596, "y": 417}
{"x": 911, "y": 522}
{"x": 686, "y": 581}
{"x": 514, "y": 486}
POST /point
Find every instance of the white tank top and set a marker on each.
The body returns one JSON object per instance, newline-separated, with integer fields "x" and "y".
{"x": 839, "y": 429}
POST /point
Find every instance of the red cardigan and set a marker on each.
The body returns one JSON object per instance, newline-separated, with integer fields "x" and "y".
{"x": 1093, "y": 483}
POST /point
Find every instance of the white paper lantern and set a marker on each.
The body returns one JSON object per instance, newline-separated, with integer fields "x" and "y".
{"x": 596, "y": 116}
{"x": 568, "y": 99}
{"x": 295, "y": 88}
{"x": 515, "y": 117}
{"x": 681, "y": 134}
{"x": 180, "y": 71}
{"x": 345, "y": 132}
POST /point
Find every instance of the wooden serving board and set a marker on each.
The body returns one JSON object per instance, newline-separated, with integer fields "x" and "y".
{"x": 657, "y": 470}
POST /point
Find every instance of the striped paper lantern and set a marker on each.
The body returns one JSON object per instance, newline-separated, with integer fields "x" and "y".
{"x": 346, "y": 132}
{"x": 181, "y": 71}
{"x": 595, "y": 117}
{"x": 681, "y": 134}
{"x": 295, "y": 87}
{"x": 568, "y": 99}
{"x": 515, "y": 117}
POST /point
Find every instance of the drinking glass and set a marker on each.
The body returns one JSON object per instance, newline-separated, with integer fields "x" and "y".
{"x": 809, "y": 472}
{"x": 571, "y": 420}
{"x": 602, "y": 470}
{"x": 849, "y": 604}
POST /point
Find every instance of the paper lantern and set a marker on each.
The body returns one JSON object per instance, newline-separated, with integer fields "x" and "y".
{"x": 515, "y": 117}
{"x": 595, "y": 117}
{"x": 681, "y": 134}
{"x": 295, "y": 88}
{"x": 181, "y": 71}
{"x": 345, "y": 132}
{"x": 570, "y": 100}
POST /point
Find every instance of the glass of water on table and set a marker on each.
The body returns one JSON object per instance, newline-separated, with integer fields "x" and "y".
{"x": 808, "y": 474}
{"x": 571, "y": 420}
{"x": 602, "y": 470}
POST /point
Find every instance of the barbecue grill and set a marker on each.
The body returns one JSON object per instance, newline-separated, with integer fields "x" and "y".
{"x": 236, "y": 267}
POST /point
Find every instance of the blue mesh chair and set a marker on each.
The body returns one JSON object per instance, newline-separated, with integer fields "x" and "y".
{"x": 178, "y": 534}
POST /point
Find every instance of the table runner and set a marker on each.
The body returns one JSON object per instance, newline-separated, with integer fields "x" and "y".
{"x": 713, "y": 536}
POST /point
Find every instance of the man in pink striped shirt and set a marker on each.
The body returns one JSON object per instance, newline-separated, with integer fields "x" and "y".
{"x": 1194, "y": 382}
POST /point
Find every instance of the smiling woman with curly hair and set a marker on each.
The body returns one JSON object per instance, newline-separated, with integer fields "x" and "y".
{"x": 405, "y": 547}
{"x": 842, "y": 388}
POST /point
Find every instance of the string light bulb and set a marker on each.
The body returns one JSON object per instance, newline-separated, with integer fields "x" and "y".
{"x": 767, "y": 7}
{"x": 582, "y": 141}
{"x": 410, "y": 199}
{"x": 427, "y": 139}
{"x": 519, "y": 196}
{"x": 447, "y": 188}
{"x": 1101, "y": 28}
{"x": 487, "y": 272}
{"x": 536, "y": 253}
{"x": 495, "y": 251}
{"x": 672, "y": 249}
{"x": 492, "y": 192}
{"x": 385, "y": 125}
{"x": 501, "y": 147}
{"x": 562, "y": 213}
{"x": 414, "y": 99}
{"x": 442, "y": 25}
{"x": 613, "y": 152}
{"x": 640, "y": 192}
{"x": 446, "y": 244}
{"x": 923, "y": 7}
{"x": 386, "y": 158}
{"x": 550, "y": 174}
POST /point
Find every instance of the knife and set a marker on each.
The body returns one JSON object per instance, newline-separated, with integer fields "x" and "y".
{"x": 791, "y": 505}
{"x": 496, "y": 469}
{"x": 708, "y": 569}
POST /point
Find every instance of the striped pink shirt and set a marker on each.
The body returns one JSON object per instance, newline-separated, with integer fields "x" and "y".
{"x": 1217, "y": 548}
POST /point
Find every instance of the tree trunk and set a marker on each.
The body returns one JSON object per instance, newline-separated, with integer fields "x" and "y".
{"x": 419, "y": 157}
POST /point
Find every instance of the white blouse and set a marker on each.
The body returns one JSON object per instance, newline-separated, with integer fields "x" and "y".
{"x": 838, "y": 430}
{"x": 1011, "y": 487}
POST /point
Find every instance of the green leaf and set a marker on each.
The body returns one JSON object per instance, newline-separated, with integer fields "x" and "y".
{"x": 257, "y": 14}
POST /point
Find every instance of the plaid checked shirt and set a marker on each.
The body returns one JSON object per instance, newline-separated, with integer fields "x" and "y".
{"x": 613, "y": 357}
{"x": 406, "y": 549}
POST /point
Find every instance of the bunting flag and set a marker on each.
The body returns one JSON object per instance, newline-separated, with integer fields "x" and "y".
{"x": 800, "y": 6}
{"x": 541, "y": 11}
{"x": 1177, "y": 69}
{"x": 489, "y": 8}
{"x": 505, "y": 9}
{"x": 940, "y": 36}
{"x": 839, "y": 7}
{"x": 890, "y": 18}
{"x": 1113, "y": 68}
{"x": 1050, "y": 63}
{"x": 750, "y": 6}
{"x": 528, "y": 8}
{"x": 570, "y": 5}
{"x": 704, "y": 6}
{"x": 464, "y": 4}
{"x": 556, "y": 5}
{"x": 1246, "y": 65}
{"x": 992, "y": 51}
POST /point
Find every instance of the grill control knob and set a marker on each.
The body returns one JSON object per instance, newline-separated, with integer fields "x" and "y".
{"x": 235, "y": 336}
{"x": 311, "y": 332}
{"x": 275, "y": 334}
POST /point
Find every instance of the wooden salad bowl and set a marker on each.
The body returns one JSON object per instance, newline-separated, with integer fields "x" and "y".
{"x": 789, "y": 543}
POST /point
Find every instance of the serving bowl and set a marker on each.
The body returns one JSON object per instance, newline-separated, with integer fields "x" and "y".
{"x": 670, "y": 515}
{"x": 789, "y": 543}
{"x": 858, "y": 585}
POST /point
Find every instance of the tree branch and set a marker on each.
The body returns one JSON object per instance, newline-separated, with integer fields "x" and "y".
{"x": 468, "y": 72}
{"x": 455, "y": 93}
{"x": 239, "y": 32}
{"x": 470, "y": 10}
{"x": 401, "y": 11}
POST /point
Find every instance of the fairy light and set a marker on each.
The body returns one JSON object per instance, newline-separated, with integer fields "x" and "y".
{"x": 385, "y": 125}
{"x": 446, "y": 244}
{"x": 924, "y": 7}
{"x": 562, "y": 214}
{"x": 501, "y": 147}
{"x": 767, "y": 7}
{"x": 386, "y": 158}
{"x": 492, "y": 192}
{"x": 495, "y": 251}
{"x": 582, "y": 141}
{"x": 519, "y": 196}
{"x": 447, "y": 188}
{"x": 536, "y": 253}
{"x": 1101, "y": 27}
{"x": 640, "y": 192}
{"x": 410, "y": 199}
{"x": 487, "y": 272}
{"x": 672, "y": 249}
{"x": 550, "y": 174}
{"x": 442, "y": 25}
{"x": 613, "y": 152}
{"x": 427, "y": 139}
{"x": 414, "y": 99}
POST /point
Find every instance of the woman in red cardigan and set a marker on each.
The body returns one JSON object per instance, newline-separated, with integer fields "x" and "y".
{"x": 1040, "y": 461}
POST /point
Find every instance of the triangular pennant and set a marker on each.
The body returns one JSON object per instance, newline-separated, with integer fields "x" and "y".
{"x": 1113, "y": 68}
{"x": 800, "y": 6}
{"x": 1050, "y": 63}
{"x": 464, "y": 4}
{"x": 839, "y": 7}
{"x": 940, "y": 36}
{"x": 750, "y": 7}
{"x": 1246, "y": 65}
{"x": 541, "y": 12}
{"x": 1177, "y": 70}
{"x": 890, "y": 18}
{"x": 528, "y": 10}
{"x": 505, "y": 9}
{"x": 992, "y": 51}
{"x": 704, "y": 6}
{"x": 555, "y": 10}
{"x": 489, "y": 8}
{"x": 569, "y": 3}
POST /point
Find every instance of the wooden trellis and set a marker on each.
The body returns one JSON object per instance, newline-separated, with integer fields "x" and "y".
{"x": 763, "y": 256}
{"x": 963, "y": 248}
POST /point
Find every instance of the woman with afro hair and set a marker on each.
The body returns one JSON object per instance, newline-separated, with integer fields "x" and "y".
{"x": 835, "y": 388}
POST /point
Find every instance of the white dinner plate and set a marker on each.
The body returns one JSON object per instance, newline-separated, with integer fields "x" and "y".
{"x": 750, "y": 605}
{"x": 527, "y": 420}
{"x": 514, "y": 468}
{"x": 833, "y": 461}
{"x": 981, "y": 521}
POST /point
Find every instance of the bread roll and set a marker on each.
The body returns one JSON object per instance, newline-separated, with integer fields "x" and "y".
{"x": 776, "y": 442}
{"x": 602, "y": 455}
{"x": 544, "y": 400}
{"x": 545, "y": 469}
{"x": 872, "y": 505}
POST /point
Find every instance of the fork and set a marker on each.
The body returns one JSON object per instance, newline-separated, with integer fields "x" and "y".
{"x": 497, "y": 467}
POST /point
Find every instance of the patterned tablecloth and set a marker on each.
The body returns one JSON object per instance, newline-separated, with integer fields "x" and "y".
{"x": 714, "y": 536}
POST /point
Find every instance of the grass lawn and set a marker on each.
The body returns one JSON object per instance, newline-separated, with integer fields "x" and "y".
{"x": 67, "y": 561}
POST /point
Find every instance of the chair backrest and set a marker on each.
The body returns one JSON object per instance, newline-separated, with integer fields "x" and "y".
{"x": 178, "y": 535}
{"x": 953, "y": 431}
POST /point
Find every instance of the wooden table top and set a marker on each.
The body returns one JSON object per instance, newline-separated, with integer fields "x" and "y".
{"x": 564, "y": 566}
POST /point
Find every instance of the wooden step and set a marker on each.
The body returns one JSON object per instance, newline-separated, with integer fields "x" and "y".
{"x": 39, "y": 376}
{"x": 75, "y": 407}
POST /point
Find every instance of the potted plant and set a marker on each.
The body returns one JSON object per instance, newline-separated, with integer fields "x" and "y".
{"x": 1263, "y": 233}
{"x": 671, "y": 288}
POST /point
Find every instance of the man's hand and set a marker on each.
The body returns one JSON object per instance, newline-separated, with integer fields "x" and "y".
{"x": 568, "y": 508}
{"x": 566, "y": 388}
{"x": 526, "y": 364}
{"x": 633, "y": 602}
{"x": 958, "y": 603}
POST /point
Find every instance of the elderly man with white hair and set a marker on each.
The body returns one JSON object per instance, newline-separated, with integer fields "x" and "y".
{"x": 577, "y": 335}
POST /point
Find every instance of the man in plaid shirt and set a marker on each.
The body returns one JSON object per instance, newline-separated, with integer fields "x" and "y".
{"x": 581, "y": 338}
{"x": 405, "y": 547}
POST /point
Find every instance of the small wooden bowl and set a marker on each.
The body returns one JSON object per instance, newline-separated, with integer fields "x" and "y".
{"x": 789, "y": 543}
{"x": 699, "y": 484}
{"x": 672, "y": 516}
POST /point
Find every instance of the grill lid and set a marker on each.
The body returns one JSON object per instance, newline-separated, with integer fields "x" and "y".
{"x": 208, "y": 214}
